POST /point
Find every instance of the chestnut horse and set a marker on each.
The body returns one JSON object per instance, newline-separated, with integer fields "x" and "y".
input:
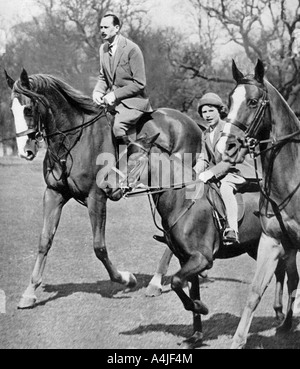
{"x": 189, "y": 222}
{"x": 79, "y": 141}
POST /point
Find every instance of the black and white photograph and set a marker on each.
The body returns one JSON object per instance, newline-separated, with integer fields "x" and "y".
{"x": 149, "y": 177}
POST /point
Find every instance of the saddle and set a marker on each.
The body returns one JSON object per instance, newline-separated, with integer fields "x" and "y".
{"x": 219, "y": 210}
{"x": 215, "y": 199}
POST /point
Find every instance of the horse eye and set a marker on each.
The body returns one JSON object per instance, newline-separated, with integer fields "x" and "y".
{"x": 253, "y": 103}
{"x": 28, "y": 111}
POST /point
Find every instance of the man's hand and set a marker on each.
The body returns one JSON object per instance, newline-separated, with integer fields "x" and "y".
{"x": 98, "y": 97}
{"x": 206, "y": 176}
{"x": 110, "y": 99}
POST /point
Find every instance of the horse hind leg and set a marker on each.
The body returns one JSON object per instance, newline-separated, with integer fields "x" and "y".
{"x": 269, "y": 251}
{"x": 292, "y": 284}
{"x": 280, "y": 277}
{"x": 53, "y": 203}
{"x": 155, "y": 285}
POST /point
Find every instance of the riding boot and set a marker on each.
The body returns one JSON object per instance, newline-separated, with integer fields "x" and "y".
{"x": 160, "y": 238}
{"x": 230, "y": 234}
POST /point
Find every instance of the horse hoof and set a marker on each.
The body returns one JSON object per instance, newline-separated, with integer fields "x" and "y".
{"x": 284, "y": 328}
{"x": 27, "y": 302}
{"x": 204, "y": 274}
{"x": 280, "y": 318}
{"x": 128, "y": 279}
{"x": 132, "y": 282}
{"x": 153, "y": 291}
{"x": 193, "y": 342}
{"x": 238, "y": 346}
{"x": 279, "y": 315}
{"x": 200, "y": 308}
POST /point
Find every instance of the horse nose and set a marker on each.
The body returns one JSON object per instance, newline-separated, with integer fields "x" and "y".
{"x": 106, "y": 186}
{"x": 227, "y": 158}
{"x": 221, "y": 145}
{"x": 30, "y": 149}
{"x": 112, "y": 193}
{"x": 231, "y": 149}
{"x": 230, "y": 152}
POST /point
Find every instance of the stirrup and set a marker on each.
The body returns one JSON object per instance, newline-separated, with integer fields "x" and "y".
{"x": 230, "y": 237}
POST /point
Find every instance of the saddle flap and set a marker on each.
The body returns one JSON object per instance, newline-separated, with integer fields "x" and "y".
{"x": 215, "y": 199}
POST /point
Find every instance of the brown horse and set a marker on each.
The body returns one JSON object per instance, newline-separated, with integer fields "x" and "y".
{"x": 261, "y": 121}
{"x": 189, "y": 222}
{"x": 79, "y": 141}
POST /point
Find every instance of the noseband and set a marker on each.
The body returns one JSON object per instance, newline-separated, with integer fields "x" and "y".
{"x": 37, "y": 128}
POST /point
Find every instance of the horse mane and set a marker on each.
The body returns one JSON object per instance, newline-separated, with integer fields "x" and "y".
{"x": 39, "y": 83}
{"x": 289, "y": 113}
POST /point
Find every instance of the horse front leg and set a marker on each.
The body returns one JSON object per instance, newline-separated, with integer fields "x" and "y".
{"x": 189, "y": 272}
{"x": 292, "y": 284}
{"x": 196, "y": 263}
{"x": 155, "y": 285}
{"x": 269, "y": 251}
{"x": 53, "y": 203}
{"x": 97, "y": 211}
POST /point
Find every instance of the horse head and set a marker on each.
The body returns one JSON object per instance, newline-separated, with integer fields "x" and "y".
{"x": 248, "y": 102}
{"x": 27, "y": 114}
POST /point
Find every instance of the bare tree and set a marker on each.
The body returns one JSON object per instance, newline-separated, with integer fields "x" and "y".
{"x": 264, "y": 29}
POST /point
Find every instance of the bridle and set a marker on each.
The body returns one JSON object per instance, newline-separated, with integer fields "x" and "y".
{"x": 250, "y": 140}
{"x": 251, "y": 130}
{"x": 36, "y": 131}
{"x": 38, "y": 126}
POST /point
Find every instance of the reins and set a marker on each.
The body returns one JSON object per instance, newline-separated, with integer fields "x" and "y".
{"x": 181, "y": 214}
{"x": 149, "y": 192}
{"x": 274, "y": 142}
{"x": 156, "y": 190}
{"x": 83, "y": 125}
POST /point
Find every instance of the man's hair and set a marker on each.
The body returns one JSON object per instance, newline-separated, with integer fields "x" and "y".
{"x": 116, "y": 20}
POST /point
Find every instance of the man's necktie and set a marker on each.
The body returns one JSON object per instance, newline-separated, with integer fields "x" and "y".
{"x": 110, "y": 56}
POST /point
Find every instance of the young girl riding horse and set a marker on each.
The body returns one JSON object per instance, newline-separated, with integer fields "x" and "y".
{"x": 210, "y": 165}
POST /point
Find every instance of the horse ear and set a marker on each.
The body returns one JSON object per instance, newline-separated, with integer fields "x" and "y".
{"x": 9, "y": 80}
{"x": 259, "y": 71}
{"x": 148, "y": 141}
{"x": 237, "y": 74}
{"x": 25, "y": 79}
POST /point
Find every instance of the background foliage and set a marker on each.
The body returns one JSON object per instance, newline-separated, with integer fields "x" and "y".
{"x": 64, "y": 40}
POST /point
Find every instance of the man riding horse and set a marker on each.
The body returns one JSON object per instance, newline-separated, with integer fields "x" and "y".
{"x": 122, "y": 78}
